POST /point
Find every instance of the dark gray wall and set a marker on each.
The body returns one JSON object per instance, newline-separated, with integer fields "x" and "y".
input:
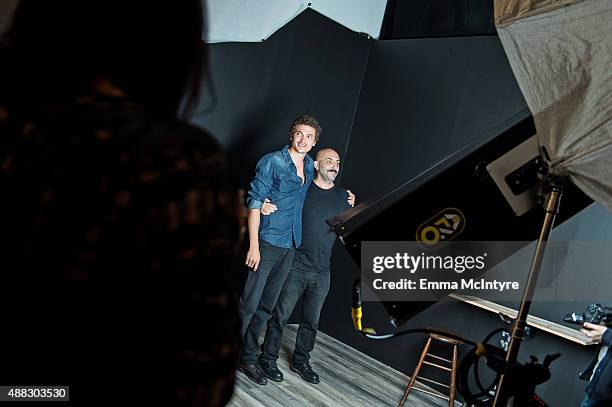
{"x": 418, "y": 101}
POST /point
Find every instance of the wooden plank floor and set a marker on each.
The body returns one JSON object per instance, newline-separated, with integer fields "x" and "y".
{"x": 348, "y": 378}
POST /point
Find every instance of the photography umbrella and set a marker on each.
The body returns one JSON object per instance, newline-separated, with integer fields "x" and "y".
{"x": 561, "y": 54}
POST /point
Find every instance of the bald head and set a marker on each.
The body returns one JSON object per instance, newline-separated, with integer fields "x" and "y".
{"x": 327, "y": 164}
{"x": 326, "y": 152}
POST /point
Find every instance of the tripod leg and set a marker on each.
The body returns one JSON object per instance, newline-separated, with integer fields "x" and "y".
{"x": 518, "y": 329}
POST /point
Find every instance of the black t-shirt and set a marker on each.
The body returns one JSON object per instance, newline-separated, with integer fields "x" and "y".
{"x": 317, "y": 236}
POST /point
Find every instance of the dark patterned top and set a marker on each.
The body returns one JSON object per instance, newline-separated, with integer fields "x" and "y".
{"x": 118, "y": 229}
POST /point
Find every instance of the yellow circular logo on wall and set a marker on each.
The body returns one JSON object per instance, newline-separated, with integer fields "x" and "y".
{"x": 443, "y": 226}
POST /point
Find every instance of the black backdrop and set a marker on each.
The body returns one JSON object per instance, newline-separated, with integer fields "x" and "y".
{"x": 312, "y": 65}
{"x": 437, "y": 18}
{"x": 392, "y": 109}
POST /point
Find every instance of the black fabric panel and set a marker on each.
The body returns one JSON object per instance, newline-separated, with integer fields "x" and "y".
{"x": 422, "y": 100}
{"x": 386, "y": 29}
{"x": 230, "y": 110}
{"x": 437, "y": 18}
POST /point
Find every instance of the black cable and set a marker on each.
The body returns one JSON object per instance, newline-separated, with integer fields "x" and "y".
{"x": 420, "y": 330}
{"x": 476, "y": 374}
{"x": 471, "y": 359}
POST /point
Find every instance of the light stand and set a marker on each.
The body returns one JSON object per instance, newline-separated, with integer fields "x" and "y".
{"x": 518, "y": 329}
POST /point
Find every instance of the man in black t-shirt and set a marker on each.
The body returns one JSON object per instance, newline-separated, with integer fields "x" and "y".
{"x": 310, "y": 270}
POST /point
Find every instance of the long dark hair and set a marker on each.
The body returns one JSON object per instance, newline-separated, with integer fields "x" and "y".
{"x": 152, "y": 50}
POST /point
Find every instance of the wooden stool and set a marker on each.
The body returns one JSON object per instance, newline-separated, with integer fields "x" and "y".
{"x": 452, "y": 369}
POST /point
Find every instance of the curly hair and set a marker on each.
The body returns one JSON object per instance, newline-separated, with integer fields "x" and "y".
{"x": 306, "y": 120}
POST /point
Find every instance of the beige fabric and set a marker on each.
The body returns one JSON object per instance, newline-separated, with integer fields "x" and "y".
{"x": 562, "y": 60}
{"x": 507, "y": 11}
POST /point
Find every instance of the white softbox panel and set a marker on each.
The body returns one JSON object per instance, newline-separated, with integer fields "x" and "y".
{"x": 256, "y": 20}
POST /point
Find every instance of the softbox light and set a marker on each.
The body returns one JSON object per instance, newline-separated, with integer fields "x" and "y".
{"x": 561, "y": 54}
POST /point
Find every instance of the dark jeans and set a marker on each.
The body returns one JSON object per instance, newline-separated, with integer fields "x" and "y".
{"x": 314, "y": 286}
{"x": 260, "y": 294}
{"x": 587, "y": 402}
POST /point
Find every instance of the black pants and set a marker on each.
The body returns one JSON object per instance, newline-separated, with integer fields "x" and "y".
{"x": 314, "y": 286}
{"x": 260, "y": 294}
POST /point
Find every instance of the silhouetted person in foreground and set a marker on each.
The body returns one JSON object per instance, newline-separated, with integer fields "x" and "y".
{"x": 119, "y": 220}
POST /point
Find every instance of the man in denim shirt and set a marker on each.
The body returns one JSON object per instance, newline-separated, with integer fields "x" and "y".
{"x": 284, "y": 177}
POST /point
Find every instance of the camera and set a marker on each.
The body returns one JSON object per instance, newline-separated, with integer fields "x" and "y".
{"x": 594, "y": 314}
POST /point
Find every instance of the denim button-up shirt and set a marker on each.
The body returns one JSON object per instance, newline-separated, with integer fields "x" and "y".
{"x": 276, "y": 179}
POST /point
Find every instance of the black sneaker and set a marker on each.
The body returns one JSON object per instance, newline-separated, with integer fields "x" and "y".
{"x": 254, "y": 374}
{"x": 270, "y": 370}
{"x": 305, "y": 371}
